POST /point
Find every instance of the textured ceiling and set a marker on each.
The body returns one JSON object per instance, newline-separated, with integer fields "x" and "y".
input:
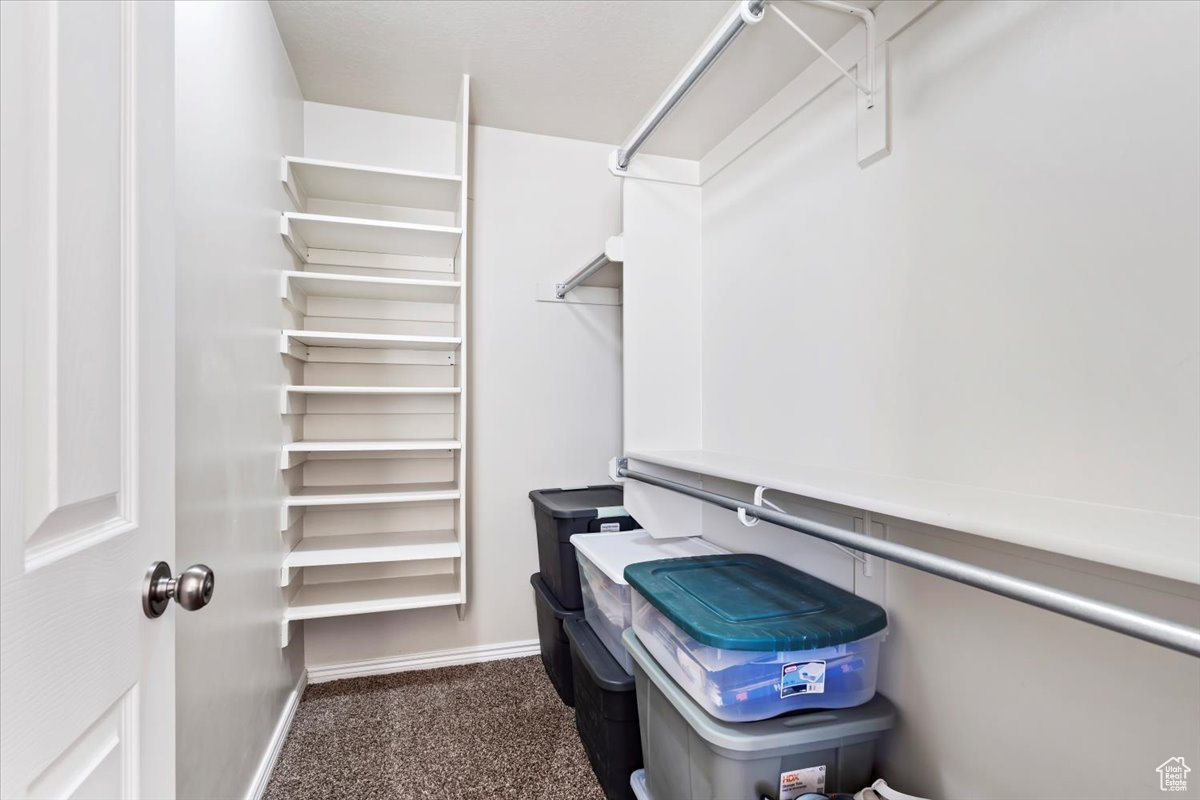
{"x": 584, "y": 69}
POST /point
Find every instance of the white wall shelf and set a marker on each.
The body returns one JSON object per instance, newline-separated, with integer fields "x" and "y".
{"x": 294, "y": 453}
{"x": 302, "y": 231}
{"x": 357, "y": 496}
{"x": 1147, "y": 541}
{"x": 325, "y": 284}
{"x": 342, "y": 598}
{"x": 369, "y": 340}
{"x": 368, "y": 494}
{"x": 370, "y": 445}
{"x": 367, "y": 548}
{"x": 373, "y": 390}
{"x": 310, "y": 178}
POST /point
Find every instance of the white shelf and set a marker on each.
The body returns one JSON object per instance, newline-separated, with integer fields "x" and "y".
{"x": 373, "y": 341}
{"x": 1147, "y": 541}
{"x": 382, "y": 390}
{"x": 368, "y": 548}
{"x": 369, "y": 445}
{"x": 302, "y": 231}
{"x": 343, "y": 598}
{"x": 334, "y": 180}
{"x": 311, "y": 496}
{"x": 326, "y": 284}
{"x": 295, "y": 452}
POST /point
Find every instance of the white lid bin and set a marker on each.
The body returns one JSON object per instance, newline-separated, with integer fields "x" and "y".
{"x": 607, "y": 603}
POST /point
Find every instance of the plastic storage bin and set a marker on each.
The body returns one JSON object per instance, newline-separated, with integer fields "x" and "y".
{"x": 606, "y": 711}
{"x": 751, "y": 638}
{"x": 691, "y": 756}
{"x": 561, "y": 513}
{"x": 606, "y": 595}
{"x": 637, "y": 782}
{"x": 552, "y": 639}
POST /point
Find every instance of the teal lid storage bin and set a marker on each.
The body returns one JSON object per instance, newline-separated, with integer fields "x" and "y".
{"x": 750, "y": 638}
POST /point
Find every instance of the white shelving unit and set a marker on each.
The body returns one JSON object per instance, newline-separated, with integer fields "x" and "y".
{"x": 375, "y": 431}
{"x": 1089, "y": 531}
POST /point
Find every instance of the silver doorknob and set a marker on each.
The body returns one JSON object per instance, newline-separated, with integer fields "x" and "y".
{"x": 192, "y": 589}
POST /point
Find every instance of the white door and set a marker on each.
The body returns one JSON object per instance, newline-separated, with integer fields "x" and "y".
{"x": 87, "y": 703}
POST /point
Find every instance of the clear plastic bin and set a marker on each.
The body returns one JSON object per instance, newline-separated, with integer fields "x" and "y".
{"x": 606, "y": 596}
{"x": 747, "y": 685}
{"x": 606, "y": 608}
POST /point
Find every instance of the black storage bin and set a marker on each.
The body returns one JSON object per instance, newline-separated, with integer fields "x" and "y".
{"x": 556, "y": 650}
{"x": 561, "y": 513}
{"x": 606, "y": 711}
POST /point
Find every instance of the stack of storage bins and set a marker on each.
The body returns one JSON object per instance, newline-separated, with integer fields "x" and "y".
{"x": 722, "y": 645}
{"x": 606, "y": 711}
{"x": 559, "y": 514}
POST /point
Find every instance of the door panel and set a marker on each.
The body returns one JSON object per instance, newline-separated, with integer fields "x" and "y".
{"x": 86, "y": 400}
{"x": 80, "y": 363}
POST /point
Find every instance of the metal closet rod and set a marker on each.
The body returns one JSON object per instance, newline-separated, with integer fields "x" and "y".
{"x": 714, "y": 47}
{"x": 596, "y": 264}
{"x": 1146, "y": 627}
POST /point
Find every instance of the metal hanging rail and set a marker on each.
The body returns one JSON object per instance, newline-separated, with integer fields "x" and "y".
{"x": 746, "y": 12}
{"x": 614, "y": 252}
{"x": 1146, "y": 627}
{"x": 596, "y": 264}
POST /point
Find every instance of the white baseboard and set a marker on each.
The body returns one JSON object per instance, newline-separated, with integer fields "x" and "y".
{"x": 262, "y": 776}
{"x": 432, "y": 660}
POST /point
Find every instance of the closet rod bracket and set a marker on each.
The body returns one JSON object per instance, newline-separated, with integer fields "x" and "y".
{"x": 867, "y": 84}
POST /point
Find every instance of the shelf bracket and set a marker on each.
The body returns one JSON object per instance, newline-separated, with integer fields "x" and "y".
{"x": 867, "y": 85}
{"x": 873, "y": 129}
{"x": 749, "y": 520}
{"x": 285, "y": 634}
{"x": 615, "y": 467}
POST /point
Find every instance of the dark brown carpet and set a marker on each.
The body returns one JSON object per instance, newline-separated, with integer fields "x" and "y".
{"x": 476, "y": 732}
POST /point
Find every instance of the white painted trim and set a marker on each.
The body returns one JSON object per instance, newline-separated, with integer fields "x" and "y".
{"x": 431, "y": 660}
{"x": 262, "y": 776}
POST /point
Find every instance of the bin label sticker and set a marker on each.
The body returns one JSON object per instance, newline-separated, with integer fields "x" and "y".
{"x": 797, "y": 782}
{"x": 802, "y": 677}
{"x": 607, "y": 527}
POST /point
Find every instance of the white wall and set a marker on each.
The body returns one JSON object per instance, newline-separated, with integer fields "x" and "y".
{"x": 360, "y": 136}
{"x": 238, "y": 109}
{"x": 1010, "y": 300}
{"x": 545, "y": 382}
